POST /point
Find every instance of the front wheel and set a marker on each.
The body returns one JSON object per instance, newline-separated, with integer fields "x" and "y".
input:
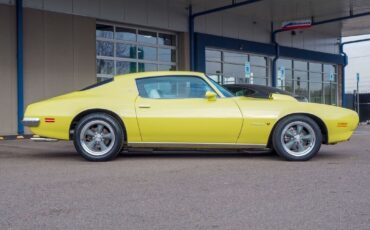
{"x": 297, "y": 138}
{"x": 98, "y": 137}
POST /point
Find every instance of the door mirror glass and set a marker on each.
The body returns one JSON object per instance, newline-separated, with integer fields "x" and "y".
{"x": 211, "y": 96}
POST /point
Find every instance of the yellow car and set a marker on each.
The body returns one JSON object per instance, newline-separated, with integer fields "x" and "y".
{"x": 185, "y": 110}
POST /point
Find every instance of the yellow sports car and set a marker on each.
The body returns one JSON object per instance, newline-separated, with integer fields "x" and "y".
{"x": 185, "y": 110}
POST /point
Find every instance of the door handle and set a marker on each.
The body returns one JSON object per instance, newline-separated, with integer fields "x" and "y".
{"x": 144, "y": 106}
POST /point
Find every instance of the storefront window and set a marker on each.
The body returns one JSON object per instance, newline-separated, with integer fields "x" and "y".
{"x": 238, "y": 58}
{"x": 121, "y": 50}
{"x": 316, "y": 92}
{"x": 316, "y": 81}
{"x": 301, "y": 88}
{"x": 228, "y": 67}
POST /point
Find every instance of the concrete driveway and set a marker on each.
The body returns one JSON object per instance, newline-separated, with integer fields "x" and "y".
{"x": 48, "y": 186}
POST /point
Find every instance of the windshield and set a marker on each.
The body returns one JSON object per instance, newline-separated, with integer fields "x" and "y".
{"x": 224, "y": 91}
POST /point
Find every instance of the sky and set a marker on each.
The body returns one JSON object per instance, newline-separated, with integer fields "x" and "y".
{"x": 358, "y": 62}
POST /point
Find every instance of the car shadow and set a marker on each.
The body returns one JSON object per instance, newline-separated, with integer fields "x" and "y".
{"x": 69, "y": 154}
{"x": 211, "y": 154}
{"x": 141, "y": 155}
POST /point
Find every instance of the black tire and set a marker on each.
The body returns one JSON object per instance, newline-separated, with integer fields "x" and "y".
{"x": 111, "y": 127}
{"x": 282, "y": 142}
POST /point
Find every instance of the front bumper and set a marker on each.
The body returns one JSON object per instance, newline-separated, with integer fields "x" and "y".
{"x": 31, "y": 121}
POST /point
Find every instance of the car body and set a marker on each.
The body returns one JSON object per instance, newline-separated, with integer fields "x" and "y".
{"x": 175, "y": 109}
{"x": 259, "y": 91}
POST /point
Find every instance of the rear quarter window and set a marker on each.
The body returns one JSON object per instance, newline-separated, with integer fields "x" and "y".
{"x": 98, "y": 84}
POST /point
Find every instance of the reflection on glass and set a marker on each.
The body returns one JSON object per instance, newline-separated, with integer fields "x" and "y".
{"x": 125, "y": 34}
{"x": 316, "y": 92}
{"x": 288, "y": 75}
{"x": 315, "y": 67}
{"x": 287, "y": 86}
{"x": 147, "y": 67}
{"x": 166, "y": 67}
{"x": 330, "y": 93}
{"x": 215, "y": 77}
{"x": 258, "y": 60}
{"x": 303, "y": 76}
{"x": 235, "y": 57}
{"x": 103, "y": 78}
{"x": 104, "y": 31}
{"x": 329, "y": 69}
{"x": 213, "y": 67}
{"x": 125, "y": 50}
{"x": 166, "y": 55}
{"x": 213, "y": 55}
{"x": 147, "y": 53}
{"x": 330, "y": 77}
{"x": 301, "y": 88}
{"x": 333, "y": 92}
{"x": 123, "y": 67}
{"x": 104, "y": 66}
{"x": 104, "y": 48}
{"x": 284, "y": 62}
{"x": 316, "y": 77}
{"x": 166, "y": 39}
{"x": 229, "y": 80}
{"x": 233, "y": 70}
{"x": 259, "y": 81}
{"x": 300, "y": 65}
{"x": 259, "y": 71}
{"x": 147, "y": 37}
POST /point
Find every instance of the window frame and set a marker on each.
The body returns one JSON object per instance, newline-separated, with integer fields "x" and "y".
{"x": 136, "y": 43}
{"x": 323, "y": 81}
{"x": 221, "y": 76}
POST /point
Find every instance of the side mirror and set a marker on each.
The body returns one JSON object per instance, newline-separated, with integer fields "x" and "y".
{"x": 211, "y": 96}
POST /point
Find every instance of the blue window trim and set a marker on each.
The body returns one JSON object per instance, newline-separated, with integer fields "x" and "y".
{"x": 206, "y": 40}
{"x": 20, "y": 86}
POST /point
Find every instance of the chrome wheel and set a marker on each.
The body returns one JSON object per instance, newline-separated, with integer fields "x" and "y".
{"x": 97, "y": 137}
{"x": 298, "y": 138}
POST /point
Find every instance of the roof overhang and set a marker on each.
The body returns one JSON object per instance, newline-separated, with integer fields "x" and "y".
{"x": 279, "y": 11}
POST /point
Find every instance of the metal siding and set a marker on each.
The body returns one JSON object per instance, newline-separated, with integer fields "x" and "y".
{"x": 298, "y": 40}
{"x": 261, "y": 32}
{"x": 7, "y": 2}
{"x": 178, "y": 16}
{"x": 309, "y": 40}
{"x": 84, "y": 53}
{"x": 90, "y": 8}
{"x": 245, "y": 30}
{"x": 214, "y": 24}
{"x": 229, "y": 26}
{"x": 34, "y": 56}
{"x": 35, "y": 4}
{"x": 8, "y": 89}
{"x": 65, "y": 6}
{"x": 158, "y": 13}
{"x": 136, "y": 12}
{"x": 112, "y": 10}
{"x": 59, "y": 54}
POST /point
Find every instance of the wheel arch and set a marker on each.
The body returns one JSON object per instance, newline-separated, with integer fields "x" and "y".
{"x": 82, "y": 114}
{"x": 319, "y": 122}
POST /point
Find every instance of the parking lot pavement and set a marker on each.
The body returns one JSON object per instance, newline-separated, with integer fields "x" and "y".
{"x": 48, "y": 186}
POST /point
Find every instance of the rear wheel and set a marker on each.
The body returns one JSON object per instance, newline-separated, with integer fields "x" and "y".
{"x": 98, "y": 137}
{"x": 297, "y": 138}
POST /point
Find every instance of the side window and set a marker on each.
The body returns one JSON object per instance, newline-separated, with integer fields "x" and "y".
{"x": 172, "y": 87}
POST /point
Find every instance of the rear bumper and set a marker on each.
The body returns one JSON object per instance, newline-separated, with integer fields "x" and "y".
{"x": 31, "y": 121}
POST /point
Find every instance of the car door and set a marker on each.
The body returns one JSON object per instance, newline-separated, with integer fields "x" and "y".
{"x": 173, "y": 109}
